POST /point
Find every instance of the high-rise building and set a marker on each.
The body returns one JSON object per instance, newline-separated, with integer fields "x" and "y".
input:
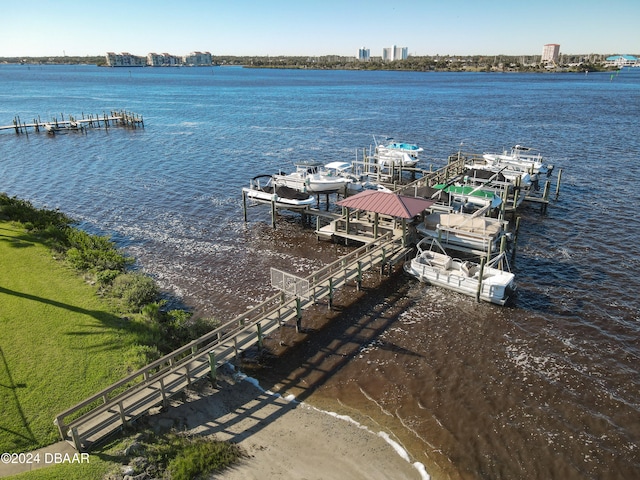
{"x": 363, "y": 54}
{"x": 551, "y": 53}
{"x": 395, "y": 53}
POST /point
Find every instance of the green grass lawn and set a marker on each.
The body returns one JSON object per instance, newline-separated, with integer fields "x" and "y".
{"x": 59, "y": 341}
{"x": 168, "y": 455}
{"x": 94, "y": 469}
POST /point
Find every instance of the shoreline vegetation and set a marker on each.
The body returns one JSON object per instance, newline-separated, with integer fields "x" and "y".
{"x": 437, "y": 63}
{"x": 131, "y": 294}
{"x": 74, "y": 319}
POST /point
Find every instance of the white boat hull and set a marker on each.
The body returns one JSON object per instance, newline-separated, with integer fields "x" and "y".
{"x": 441, "y": 270}
{"x": 315, "y": 183}
{"x": 357, "y": 183}
{"x": 394, "y": 158}
{"x": 518, "y": 160}
{"x": 263, "y": 196}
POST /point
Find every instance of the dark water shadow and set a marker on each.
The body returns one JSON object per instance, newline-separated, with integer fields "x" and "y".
{"x": 238, "y": 410}
{"x": 358, "y": 320}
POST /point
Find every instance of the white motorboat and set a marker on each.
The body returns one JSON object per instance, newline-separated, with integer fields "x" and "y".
{"x": 312, "y": 178}
{"x": 393, "y": 158}
{"x": 408, "y": 148}
{"x": 345, "y": 169}
{"x": 411, "y": 149}
{"x": 262, "y": 188}
{"x": 520, "y": 159}
{"x": 341, "y": 168}
{"x": 63, "y": 127}
{"x": 358, "y": 182}
{"x": 463, "y": 231}
{"x": 437, "y": 268}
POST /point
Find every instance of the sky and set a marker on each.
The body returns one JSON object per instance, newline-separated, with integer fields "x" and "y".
{"x": 314, "y": 28}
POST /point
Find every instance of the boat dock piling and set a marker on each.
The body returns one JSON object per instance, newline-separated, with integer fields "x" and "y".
{"x": 531, "y": 196}
{"x": 305, "y": 211}
{"x": 114, "y": 118}
{"x": 558, "y": 183}
{"x": 353, "y": 227}
{"x": 543, "y": 199}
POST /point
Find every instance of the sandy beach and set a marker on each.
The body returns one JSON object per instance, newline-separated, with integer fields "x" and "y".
{"x": 283, "y": 438}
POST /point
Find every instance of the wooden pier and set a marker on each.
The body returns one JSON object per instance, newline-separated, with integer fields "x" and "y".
{"x": 385, "y": 243}
{"x": 74, "y": 124}
{"x": 94, "y": 419}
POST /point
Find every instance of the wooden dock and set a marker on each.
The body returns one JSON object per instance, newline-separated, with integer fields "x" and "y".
{"x": 360, "y": 227}
{"x": 94, "y": 419}
{"x": 74, "y": 124}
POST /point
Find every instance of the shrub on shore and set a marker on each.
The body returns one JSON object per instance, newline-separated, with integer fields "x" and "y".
{"x": 83, "y": 251}
{"x": 173, "y": 455}
{"x": 92, "y": 253}
{"x": 135, "y": 290}
{"x": 98, "y": 259}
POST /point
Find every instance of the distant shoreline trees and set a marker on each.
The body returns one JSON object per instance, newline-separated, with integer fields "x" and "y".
{"x": 449, "y": 63}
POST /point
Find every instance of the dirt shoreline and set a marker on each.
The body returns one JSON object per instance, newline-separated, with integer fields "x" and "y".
{"x": 283, "y": 438}
{"x": 280, "y": 437}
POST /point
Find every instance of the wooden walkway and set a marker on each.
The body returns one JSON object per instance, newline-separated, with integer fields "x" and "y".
{"x": 119, "y": 118}
{"x": 104, "y": 413}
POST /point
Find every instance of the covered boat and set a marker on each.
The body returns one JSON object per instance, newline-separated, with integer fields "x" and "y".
{"x": 507, "y": 184}
{"x": 474, "y": 233}
{"x": 262, "y": 188}
{"x": 467, "y": 197}
{"x": 486, "y": 282}
{"x": 521, "y": 159}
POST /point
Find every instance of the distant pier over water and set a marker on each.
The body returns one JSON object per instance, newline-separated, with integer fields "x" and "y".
{"x": 73, "y": 124}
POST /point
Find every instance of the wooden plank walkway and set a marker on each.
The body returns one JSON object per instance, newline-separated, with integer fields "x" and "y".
{"x": 92, "y": 420}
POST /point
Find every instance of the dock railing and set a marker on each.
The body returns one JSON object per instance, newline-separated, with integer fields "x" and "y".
{"x": 103, "y": 413}
{"x": 454, "y": 167}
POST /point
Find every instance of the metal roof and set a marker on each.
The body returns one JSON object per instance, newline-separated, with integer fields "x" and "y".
{"x": 400, "y": 206}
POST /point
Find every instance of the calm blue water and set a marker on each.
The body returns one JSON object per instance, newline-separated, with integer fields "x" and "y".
{"x": 549, "y": 388}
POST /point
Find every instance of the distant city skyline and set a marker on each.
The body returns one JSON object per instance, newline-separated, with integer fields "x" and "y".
{"x": 292, "y": 28}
